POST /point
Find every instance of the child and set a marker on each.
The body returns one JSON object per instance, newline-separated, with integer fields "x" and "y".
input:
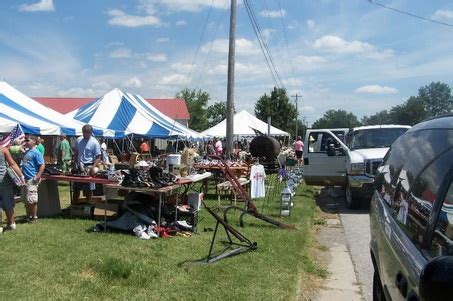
{"x": 32, "y": 168}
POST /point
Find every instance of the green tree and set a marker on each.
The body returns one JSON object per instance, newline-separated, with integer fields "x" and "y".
{"x": 411, "y": 112}
{"x": 336, "y": 119}
{"x": 196, "y": 101}
{"x": 437, "y": 98}
{"x": 216, "y": 113}
{"x": 382, "y": 117}
{"x": 277, "y": 106}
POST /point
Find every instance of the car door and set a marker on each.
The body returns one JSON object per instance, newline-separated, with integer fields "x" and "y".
{"x": 319, "y": 168}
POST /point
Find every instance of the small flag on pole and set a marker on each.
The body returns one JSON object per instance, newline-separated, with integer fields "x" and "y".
{"x": 16, "y": 133}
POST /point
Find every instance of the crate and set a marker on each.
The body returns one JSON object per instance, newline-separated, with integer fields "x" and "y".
{"x": 83, "y": 210}
{"x": 100, "y": 210}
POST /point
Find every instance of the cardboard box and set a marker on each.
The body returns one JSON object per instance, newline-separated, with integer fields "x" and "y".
{"x": 112, "y": 210}
{"x": 84, "y": 210}
{"x": 94, "y": 200}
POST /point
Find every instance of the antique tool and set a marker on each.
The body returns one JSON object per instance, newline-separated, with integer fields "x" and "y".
{"x": 244, "y": 244}
{"x": 250, "y": 206}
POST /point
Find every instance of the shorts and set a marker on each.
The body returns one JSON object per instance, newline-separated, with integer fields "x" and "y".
{"x": 6, "y": 194}
{"x": 299, "y": 154}
{"x": 30, "y": 192}
{"x": 83, "y": 186}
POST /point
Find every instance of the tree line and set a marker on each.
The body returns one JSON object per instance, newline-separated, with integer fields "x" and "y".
{"x": 432, "y": 100}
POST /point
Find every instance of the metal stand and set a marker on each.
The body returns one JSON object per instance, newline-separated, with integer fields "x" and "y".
{"x": 243, "y": 246}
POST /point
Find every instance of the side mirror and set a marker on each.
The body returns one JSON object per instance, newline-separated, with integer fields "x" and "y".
{"x": 436, "y": 279}
{"x": 331, "y": 150}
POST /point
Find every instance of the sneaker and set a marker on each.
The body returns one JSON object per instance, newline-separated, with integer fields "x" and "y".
{"x": 11, "y": 227}
{"x": 184, "y": 224}
{"x": 32, "y": 220}
{"x": 1, "y": 229}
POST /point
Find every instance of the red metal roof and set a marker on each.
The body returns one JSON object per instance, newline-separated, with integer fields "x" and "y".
{"x": 173, "y": 108}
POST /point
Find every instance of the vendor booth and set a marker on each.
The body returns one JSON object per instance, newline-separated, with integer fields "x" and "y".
{"x": 121, "y": 111}
{"x": 246, "y": 125}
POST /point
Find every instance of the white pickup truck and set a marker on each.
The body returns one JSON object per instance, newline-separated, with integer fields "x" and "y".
{"x": 348, "y": 158}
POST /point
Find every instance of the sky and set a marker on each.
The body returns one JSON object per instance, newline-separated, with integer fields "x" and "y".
{"x": 334, "y": 54}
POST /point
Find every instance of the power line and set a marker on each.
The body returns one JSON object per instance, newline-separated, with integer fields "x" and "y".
{"x": 267, "y": 54}
{"x": 410, "y": 14}
{"x": 199, "y": 43}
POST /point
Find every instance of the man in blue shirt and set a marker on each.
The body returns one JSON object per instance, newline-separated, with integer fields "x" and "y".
{"x": 32, "y": 167}
{"x": 88, "y": 154}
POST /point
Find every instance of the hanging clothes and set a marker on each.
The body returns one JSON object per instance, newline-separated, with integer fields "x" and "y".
{"x": 257, "y": 176}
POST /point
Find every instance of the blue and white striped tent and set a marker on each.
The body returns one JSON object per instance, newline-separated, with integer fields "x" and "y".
{"x": 37, "y": 119}
{"x": 132, "y": 114}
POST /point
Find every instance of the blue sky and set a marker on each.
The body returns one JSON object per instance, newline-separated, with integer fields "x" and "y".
{"x": 349, "y": 55}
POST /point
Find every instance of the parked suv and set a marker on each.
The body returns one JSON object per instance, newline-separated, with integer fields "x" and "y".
{"x": 348, "y": 158}
{"x": 411, "y": 216}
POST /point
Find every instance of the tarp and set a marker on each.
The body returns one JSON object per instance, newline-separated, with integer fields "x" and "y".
{"x": 37, "y": 119}
{"x": 121, "y": 111}
{"x": 245, "y": 124}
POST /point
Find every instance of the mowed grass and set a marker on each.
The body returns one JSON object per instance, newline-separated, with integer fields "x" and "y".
{"x": 61, "y": 258}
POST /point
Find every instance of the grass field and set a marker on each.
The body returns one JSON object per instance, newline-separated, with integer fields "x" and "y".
{"x": 61, "y": 258}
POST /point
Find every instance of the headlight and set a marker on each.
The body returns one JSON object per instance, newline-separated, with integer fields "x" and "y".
{"x": 357, "y": 168}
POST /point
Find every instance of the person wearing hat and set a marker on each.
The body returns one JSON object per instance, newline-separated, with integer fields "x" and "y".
{"x": 32, "y": 167}
{"x": 311, "y": 144}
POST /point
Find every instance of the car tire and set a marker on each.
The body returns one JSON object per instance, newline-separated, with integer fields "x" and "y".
{"x": 378, "y": 291}
{"x": 351, "y": 201}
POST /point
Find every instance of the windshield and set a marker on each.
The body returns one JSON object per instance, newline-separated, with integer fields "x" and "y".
{"x": 376, "y": 138}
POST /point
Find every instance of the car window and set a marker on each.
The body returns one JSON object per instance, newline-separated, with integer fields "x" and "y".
{"x": 318, "y": 142}
{"x": 413, "y": 202}
{"x": 442, "y": 243}
{"x": 375, "y": 138}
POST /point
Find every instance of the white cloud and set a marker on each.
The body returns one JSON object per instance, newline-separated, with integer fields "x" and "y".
{"x": 156, "y": 57}
{"x": 121, "y": 53}
{"x": 181, "y": 23}
{"x": 311, "y": 24}
{"x": 243, "y": 46}
{"x": 309, "y": 60}
{"x": 337, "y": 45}
{"x": 443, "y": 14}
{"x": 194, "y": 5}
{"x": 43, "y": 5}
{"x": 132, "y": 82}
{"x": 119, "y": 18}
{"x": 185, "y": 68}
{"x": 273, "y": 13}
{"x": 376, "y": 89}
{"x": 174, "y": 79}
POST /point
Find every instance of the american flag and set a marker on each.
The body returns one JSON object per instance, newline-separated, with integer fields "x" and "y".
{"x": 16, "y": 133}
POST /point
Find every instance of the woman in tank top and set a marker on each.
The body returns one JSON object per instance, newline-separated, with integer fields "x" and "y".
{"x": 6, "y": 187}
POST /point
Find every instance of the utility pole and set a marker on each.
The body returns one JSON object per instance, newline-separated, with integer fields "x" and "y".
{"x": 230, "y": 84}
{"x": 297, "y": 111}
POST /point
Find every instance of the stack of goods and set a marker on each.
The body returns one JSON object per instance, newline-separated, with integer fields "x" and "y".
{"x": 147, "y": 175}
{"x": 208, "y": 164}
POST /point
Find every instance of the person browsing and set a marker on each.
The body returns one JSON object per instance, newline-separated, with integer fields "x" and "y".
{"x": 6, "y": 187}
{"x": 88, "y": 155}
{"x": 32, "y": 168}
{"x": 299, "y": 148}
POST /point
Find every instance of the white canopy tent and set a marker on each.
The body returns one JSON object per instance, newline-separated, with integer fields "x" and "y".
{"x": 245, "y": 124}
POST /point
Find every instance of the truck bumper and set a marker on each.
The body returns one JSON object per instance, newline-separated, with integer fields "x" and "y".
{"x": 361, "y": 186}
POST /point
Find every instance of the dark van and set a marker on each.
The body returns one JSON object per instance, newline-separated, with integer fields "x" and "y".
{"x": 411, "y": 215}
